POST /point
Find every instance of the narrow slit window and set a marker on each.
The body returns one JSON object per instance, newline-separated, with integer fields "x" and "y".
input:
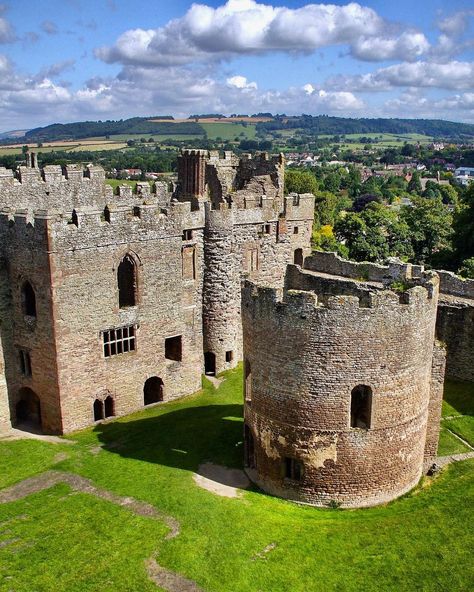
{"x": 229, "y": 356}
{"x": 28, "y": 300}
{"x": 25, "y": 362}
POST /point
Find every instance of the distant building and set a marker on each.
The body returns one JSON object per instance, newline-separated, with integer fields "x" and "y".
{"x": 464, "y": 175}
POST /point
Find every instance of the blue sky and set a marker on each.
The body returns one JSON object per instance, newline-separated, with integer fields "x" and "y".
{"x": 81, "y": 59}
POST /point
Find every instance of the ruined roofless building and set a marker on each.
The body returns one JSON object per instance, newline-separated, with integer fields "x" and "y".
{"x": 110, "y": 302}
{"x": 343, "y": 404}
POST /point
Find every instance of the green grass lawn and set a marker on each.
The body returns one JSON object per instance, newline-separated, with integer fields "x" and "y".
{"x": 59, "y": 540}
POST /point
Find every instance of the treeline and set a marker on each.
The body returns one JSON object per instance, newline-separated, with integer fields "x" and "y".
{"x": 386, "y": 217}
{"x": 87, "y": 129}
{"x": 322, "y": 124}
{"x": 156, "y": 160}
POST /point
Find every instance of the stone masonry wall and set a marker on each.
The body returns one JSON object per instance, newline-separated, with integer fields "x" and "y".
{"x": 301, "y": 382}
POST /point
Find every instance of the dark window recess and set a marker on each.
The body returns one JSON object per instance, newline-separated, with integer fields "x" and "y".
{"x": 296, "y": 230}
{"x": 28, "y": 300}
{"x": 127, "y": 282}
{"x": 174, "y": 348}
{"x": 298, "y": 258}
{"x": 268, "y": 229}
{"x": 119, "y": 341}
{"x": 25, "y": 362}
{"x": 98, "y": 410}
{"x": 74, "y": 218}
{"x": 293, "y": 469}
{"x": 229, "y": 356}
{"x": 210, "y": 363}
{"x": 106, "y": 214}
{"x": 153, "y": 390}
{"x": 361, "y": 407}
{"x": 187, "y": 234}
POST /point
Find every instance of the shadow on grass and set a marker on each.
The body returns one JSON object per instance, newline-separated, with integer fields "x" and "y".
{"x": 183, "y": 438}
{"x": 460, "y": 396}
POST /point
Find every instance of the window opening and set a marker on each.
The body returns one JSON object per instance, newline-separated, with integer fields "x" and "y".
{"x": 361, "y": 406}
{"x": 293, "y": 469}
{"x": 119, "y": 341}
{"x": 28, "y": 298}
{"x": 127, "y": 282}
{"x": 174, "y": 348}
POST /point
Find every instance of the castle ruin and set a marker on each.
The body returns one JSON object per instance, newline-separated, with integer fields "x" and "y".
{"x": 113, "y": 301}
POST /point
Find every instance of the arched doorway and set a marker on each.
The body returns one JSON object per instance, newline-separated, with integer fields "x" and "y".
{"x": 28, "y": 408}
{"x": 98, "y": 410}
{"x": 210, "y": 363}
{"x": 109, "y": 406}
{"x": 153, "y": 390}
{"x": 298, "y": 257}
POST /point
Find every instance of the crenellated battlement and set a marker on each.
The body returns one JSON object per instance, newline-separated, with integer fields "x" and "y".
{"x": 298, "y": 298}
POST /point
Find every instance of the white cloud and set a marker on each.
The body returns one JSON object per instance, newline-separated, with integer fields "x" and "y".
{"x": 409, "y": 46}
{"x": 453, "y": 75}
{"x": 454, "y": 108}
{"x": 241, "y": 82}
{"x": 247, "y": 27}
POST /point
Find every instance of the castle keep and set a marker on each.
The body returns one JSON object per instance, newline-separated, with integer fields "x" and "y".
{"x": 112, "y": 302}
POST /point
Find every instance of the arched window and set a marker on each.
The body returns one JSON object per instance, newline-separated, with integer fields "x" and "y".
{"x": 153, "y": 390}
{"x": 98, "y": 410}
{"x": 109, "y": 406}
{"x": 28, "y": 300}
{"x": 127, "y": 282}
{"x": 361, "y": 406}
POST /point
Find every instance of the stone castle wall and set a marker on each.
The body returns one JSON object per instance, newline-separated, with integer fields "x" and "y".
{"x": 301, "y": 380}
{"x": 71, "y": 252}
{"x": 455, "y": 324}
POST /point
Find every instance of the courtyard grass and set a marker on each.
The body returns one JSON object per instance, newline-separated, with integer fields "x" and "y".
{"x": 75, "y": 542}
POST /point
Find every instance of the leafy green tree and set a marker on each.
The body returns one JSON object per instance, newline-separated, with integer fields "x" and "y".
{"x": 298, "y": 181}
{"x": 414, "y": 185}
{"x": 374, "y": 234}
{"x": 430, "y": 224}
{"x": 467, "y": 268}
{"x": 463, "y": 240}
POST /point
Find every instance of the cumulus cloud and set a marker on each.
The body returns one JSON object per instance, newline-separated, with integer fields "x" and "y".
{"x": 409, "y": 46}
{"x": 453, "y": 75}
{"x": 419, "y": 105}
{"x": 456, "y": 24}
{"x": 248, "y": 27}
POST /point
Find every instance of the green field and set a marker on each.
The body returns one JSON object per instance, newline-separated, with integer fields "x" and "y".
{"x": 61, "y": 540}
{"x": 229, "y": 131}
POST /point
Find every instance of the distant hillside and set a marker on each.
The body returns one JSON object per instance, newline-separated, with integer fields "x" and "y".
{"x": 322, "y": 124}
{"x": 265, "y": 122}
{"x": 88, "y": 129}
{"x": 14, "y": 134}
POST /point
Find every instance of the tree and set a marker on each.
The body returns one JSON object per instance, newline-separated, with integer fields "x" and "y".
{"x": 297, "y": 181}
{"x": 467, "y": 268}
{"x": 430, "y": 224}
{"x": 463, "y": 240}
{"x": 414, "y": 185}
{"x": 374, "y": 234}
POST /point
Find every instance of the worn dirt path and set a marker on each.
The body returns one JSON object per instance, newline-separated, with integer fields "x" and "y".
{"x": 166, "y": 579}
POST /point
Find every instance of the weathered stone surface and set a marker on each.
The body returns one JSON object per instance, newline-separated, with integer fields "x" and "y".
{"x": 65, "y": 232}
{"x": 329, "y": 335}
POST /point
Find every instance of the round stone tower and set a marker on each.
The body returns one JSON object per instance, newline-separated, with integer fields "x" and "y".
{"x": 338, "y": 383}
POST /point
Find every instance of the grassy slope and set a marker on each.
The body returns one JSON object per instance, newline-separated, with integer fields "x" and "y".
{"x": 229, "y": 131}
{"x": 458, "y": 417}
{"x": 420, "y": 542}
